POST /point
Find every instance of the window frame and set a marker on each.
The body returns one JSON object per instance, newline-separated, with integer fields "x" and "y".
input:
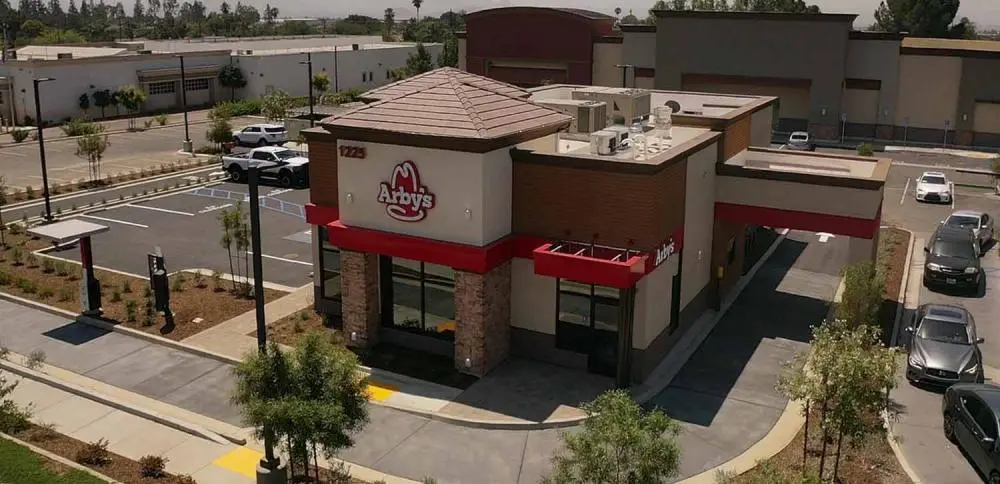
{"x": 422, "y": 277}
{"x": 593, "y": 299}
{"x": 325, "y": 247}
{"x": 196, "y": 84}
{"x": 161, "y": 88}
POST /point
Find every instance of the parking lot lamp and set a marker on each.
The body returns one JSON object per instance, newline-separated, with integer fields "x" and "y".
{"x": 269, "y": 470}
{"x": 309, "y": 63}
{"x": 41, "y": 147}
{"x": 188, "y": 146}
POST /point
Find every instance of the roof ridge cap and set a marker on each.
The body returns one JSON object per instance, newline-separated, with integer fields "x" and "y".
{"x": 473, "y": 113}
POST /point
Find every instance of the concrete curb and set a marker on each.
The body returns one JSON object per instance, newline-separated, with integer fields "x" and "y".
{"x": 779, "y": 437}
{"x": 690, "y": 341}
{"x": 127, "y": 407}
{"x": 486, "y": 424}
{"x": 58, "y": 458}
{"x": 898, "y": 451}
{"x": 901, "y": 298}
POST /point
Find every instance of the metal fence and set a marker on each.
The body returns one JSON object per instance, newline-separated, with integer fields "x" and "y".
{"x": 270, "y": 203}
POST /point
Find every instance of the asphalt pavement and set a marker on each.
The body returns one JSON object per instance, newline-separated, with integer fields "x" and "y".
{"x": 127, "y": 152}
{"x": 921, "y": 438}
{"x": 724, "y": 397}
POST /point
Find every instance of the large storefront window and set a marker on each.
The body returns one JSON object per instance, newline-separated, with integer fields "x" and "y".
{"x": 330, "y": 265}
{"x": 421, "y": 296}
{"x": 588, "y": 322}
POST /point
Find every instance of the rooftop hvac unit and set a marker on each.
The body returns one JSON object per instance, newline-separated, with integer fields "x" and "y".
{"x": 621, "y": 133}
{"x": 588, "y": 116}
{"x": 625, "y": 106}
{"x": 603, "y": 142}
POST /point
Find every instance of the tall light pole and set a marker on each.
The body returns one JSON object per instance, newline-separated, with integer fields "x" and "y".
{"x": 41, "y": 147}
{"x": 188, "y": 146}
{"x": 309, "y": 64}
{"x": 269, "y": 470}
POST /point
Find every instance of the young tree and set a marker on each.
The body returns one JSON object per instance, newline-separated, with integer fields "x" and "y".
{"x": 241, "y": 239}
{"x": 228, "y": 220}
{"x": 84, "y": 103}
{"x": 132, "y": 98}
{"x": 313, "y": 397}
{"x": 91, "y": 147}
{"x": 275, "y": 105}
{"x": 863, "y": 293}
{"x": 419, "y": 62}
{"x": 449, "y": 54}
{"x": 219, "y": 131}
{"x": 102, "y": 99}
{"x": 232, "y": 77}
{"x": 620, "y": 443}
{"x": 321, "y": 83}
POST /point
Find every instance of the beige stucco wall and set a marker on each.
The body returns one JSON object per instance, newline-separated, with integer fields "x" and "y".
{"x": 462, "y": 49}
{"x": 761, "y": 125}
{"x": 928, "y": 90}
{"x": 803, "y": 197}
{"x": 861, "y": 106}
{"x": 875, "y": 60}
{"x": 532, "y": 298}
{"x": 792, "y": 102}
{"x": 987, "y": 118}
{"x": 644, "y": 82}
{"x": 652, "y": 303}
{"x": 458, "y": 181}
{"x": 606, "y": 57}
{"x": 699, "y": 217}
{"x": 639, "y": 49}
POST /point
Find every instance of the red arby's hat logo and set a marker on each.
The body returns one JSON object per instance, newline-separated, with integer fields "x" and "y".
{"x": 404, "y": 197}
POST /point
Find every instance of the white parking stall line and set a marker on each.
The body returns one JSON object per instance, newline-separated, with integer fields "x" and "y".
{"x": 213, "y": 208}
{"x": 105, "y": 219}
{"x": 282, "y": 259}
{"x": 953, "y": 194}
{"x": 905, "y": 188}
{"x": 158, "y": 209}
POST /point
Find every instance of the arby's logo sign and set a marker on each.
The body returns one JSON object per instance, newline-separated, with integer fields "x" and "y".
{"x": 405, "y": 199}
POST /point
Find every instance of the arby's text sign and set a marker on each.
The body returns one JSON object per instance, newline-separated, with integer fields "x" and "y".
{"x": 665, "y": 250}
{"x": 404, "y": 197}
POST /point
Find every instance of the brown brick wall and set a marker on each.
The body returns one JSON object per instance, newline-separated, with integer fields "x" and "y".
{"x": 482, "y": 326}
{"x": 359, "y": 290}
{"x": 323, "y": 171}
{"x": 617, "y": 209}
{"x": 736, "y": 138}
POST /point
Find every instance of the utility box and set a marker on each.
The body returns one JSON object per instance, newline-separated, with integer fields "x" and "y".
{"x": 161, "y": 290}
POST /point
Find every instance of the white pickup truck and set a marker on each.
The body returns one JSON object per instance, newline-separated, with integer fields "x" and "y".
{"x": 287, "y": 167}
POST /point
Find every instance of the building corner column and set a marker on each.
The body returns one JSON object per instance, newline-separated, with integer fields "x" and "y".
{"x": 482, "y": 319}
{"x": 359, "y": 290}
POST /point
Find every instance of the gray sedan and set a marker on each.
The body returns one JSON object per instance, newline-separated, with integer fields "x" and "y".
{"x": 980, "y": 223}
{"x": 943, "y": 347}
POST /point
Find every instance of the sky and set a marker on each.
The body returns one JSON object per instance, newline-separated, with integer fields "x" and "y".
{"x": 983, "y": 12}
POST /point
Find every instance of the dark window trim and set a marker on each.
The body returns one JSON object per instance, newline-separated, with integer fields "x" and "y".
{"x": 593, "y": 298}
{"x": 388, "y": 319}
{"x": 323, "y": 269}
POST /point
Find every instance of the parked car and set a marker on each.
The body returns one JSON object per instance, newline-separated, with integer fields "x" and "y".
{"x": 261, "y": 135}
{"x": 800, "y": 141}
{"x": 952, "y": 259}
{"x": 287, "y": 167}
{"x": 980, "y": 223}
{"x": 970, "y": 421}
{"x": 943, "y": 347}
{"x": 933, "y": 186}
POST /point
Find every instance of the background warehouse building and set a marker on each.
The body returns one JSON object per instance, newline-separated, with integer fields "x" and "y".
{"x": 829, "y": 79}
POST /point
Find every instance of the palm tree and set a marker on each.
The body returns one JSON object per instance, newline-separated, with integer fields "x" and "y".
{"x": 416, "y": 5}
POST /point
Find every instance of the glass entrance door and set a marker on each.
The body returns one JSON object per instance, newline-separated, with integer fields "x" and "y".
{"x": 417, "y": 297}
{"x": 588, "y": 322}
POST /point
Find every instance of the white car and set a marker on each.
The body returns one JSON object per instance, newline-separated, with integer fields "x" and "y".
{"x": 287, "y": 167}
{"x": 261, "y": 135}
{"x": 933, "y": 186}
{"x": 980, "y": 223}
{"x": 799, "y": 141}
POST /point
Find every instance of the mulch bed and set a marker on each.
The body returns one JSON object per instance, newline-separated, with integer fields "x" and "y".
{"x": 869, "y": 462}
{"x": 58, "y": 284}
{"x": 893, "y": 245}
{"x": 119, "y": 468}
{"x": 20, "y": 194}
{"x": 384, "y": 356}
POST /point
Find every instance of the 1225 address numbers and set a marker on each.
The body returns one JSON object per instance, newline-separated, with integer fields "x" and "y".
{"x": 352, "y": 151}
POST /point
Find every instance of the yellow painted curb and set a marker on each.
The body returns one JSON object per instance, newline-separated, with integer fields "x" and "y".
{"x": 240, "y": 460}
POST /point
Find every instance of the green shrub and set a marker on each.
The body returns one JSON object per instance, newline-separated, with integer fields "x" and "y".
{"x": 148, "y": 313}
{"x": 15, "y": 229}
{"x": 177, "y": 284}
{"x": 48, "y": 266}
{"x": 65, "y": 294}
{"x": 26, "y": 286}
{"x": 243, "y": 107}
{"x": 19, "y": 135}
{"x": 4, "y": 279}
{"x": 94, "y": 453}
{"x": 116, "y": 296}
{"x": 126, "y": 286}
{"x": 199, "y": 280}
{"x": 35, "y": 359}
{"x": 147, "y": 123}
{"x": 31, "y": 259}
{"x": 16, "y": 254}
{"x": 29, "y": 192}
{"x": 152, "y": 466}
{"x": 81, "y": 127}
{"x": 161, "y": 119}
{"x": 62, "y": 269}
{"x": 866, "y": 149}
{"x": 131, "y": 311}
{"x": 46, "y": 293}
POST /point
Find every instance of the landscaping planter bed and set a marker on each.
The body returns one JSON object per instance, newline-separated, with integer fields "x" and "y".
{"x": 19, "y": 464}
{"x": 57, "y": 283}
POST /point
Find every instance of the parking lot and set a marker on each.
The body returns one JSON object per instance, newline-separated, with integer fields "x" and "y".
{"x": 186, "y": 228}
{"x": 922, "y": 440}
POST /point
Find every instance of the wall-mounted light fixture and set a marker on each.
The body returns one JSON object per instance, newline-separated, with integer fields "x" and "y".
{"x": 965, "y": 117}
{"x": 468, "y": 362}
{"x": 885, "y": 112}
{"x": 822, "y": 112}
{"x": 350, "y": 198}
{"x": 468, "y": 213}
{"x": 354, "y": 336}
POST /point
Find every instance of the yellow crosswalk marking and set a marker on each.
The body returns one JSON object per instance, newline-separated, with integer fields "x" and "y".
{"x": 241, "y": 461}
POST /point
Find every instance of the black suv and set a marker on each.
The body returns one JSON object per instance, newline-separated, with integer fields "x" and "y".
{"x": 953, "y": 259}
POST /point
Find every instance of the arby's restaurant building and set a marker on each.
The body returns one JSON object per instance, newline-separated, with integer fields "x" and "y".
{"x": 466, "y": 217}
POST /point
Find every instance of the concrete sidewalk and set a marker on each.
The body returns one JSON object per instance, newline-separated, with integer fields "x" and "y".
{"x": 111, "y": 126}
